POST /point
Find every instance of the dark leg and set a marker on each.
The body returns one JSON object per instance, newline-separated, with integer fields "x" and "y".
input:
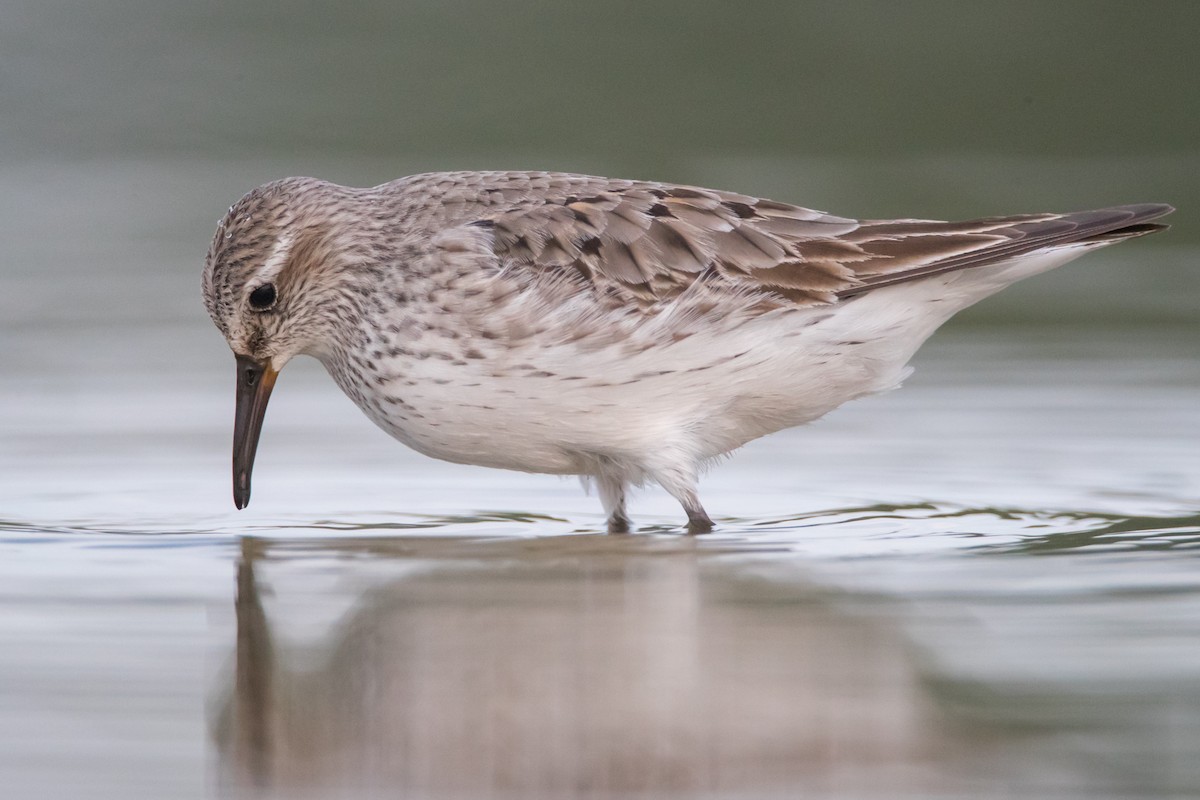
{"x": 681, "y": 485}
{"x": 698, "y": 521}
{"x": 612, "y": 498}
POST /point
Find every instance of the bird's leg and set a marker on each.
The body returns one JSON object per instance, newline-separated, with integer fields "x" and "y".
{"x": 612, "y": 498}
{"x": 681, "y": 484}
{"x": 698, "y": 520}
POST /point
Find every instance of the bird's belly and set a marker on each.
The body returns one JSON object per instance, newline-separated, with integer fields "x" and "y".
{"x": 559, "y": 409}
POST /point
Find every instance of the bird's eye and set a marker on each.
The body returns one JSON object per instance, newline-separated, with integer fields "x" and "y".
{"x": 263, "y": 297}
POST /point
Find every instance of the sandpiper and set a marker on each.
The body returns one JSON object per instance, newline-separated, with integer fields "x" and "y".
{"x": 623, "y": 331}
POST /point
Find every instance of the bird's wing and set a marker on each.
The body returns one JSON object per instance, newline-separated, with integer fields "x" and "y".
{"x": 645, "y": 243}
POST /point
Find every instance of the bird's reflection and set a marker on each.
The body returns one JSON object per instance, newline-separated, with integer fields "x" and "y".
{"x": 254, "y": 665}
{"x": 572, "y": 667}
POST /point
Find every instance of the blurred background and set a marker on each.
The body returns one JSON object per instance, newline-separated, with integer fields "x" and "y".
{"x": 131, "y": 125}
{"x": 874, "y": 619}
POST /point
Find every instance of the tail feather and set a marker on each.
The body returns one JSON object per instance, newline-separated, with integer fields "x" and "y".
{"x": 1028, "y": 234}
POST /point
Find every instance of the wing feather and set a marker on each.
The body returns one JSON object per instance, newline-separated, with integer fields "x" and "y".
{"x": 648, "y": 242}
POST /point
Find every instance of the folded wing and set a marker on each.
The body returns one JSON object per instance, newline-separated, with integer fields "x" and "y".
{"x": 645, "y": 243}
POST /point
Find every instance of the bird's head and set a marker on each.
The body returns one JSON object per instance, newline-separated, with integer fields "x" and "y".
{"x": 270, "y": 285}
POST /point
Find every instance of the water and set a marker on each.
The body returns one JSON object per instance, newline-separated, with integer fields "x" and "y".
{"x": 983, "y": 585}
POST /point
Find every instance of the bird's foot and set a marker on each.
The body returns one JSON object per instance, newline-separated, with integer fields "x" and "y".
{"x": 698, "y": 522}
{"x": 618, "y": 523}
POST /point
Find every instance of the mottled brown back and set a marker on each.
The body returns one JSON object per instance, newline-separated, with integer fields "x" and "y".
{"x": 648, "y": 242}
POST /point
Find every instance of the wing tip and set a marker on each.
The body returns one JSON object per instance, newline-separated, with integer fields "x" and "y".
{"x": 1132, "y": 220}
{"x": 1097, "y": 226}
{"x": 1147, "y": 211}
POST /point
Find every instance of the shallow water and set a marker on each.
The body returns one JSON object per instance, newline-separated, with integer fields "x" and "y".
{"x": 985, "y": 584}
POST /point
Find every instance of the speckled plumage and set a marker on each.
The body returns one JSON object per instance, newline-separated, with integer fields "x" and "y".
{"x": 619, "y": 330}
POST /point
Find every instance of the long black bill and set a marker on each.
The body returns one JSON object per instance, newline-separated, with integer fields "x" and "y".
{"x": 255, "y": 379}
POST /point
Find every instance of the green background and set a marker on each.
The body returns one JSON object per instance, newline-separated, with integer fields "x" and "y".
{"x": 130, "y": 122}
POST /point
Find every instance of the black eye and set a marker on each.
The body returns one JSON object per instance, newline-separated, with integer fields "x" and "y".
{"x": 263, "y": 297}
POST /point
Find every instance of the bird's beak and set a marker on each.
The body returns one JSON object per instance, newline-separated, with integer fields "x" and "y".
{"x": 255, "y": 379}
